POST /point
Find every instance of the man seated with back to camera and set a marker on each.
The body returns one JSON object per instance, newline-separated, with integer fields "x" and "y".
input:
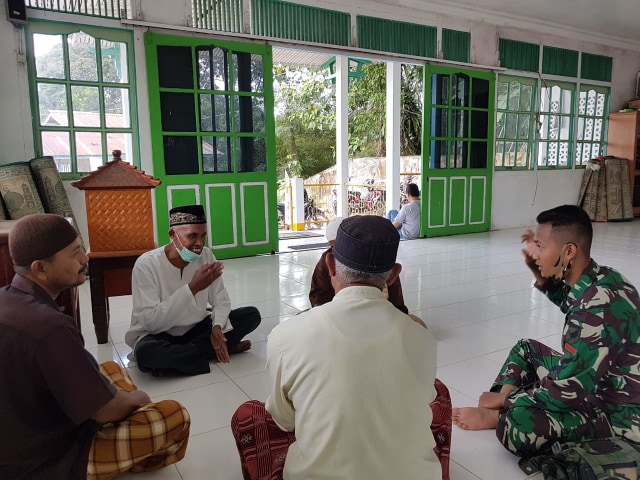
{"x": 408, "y": 220}
{"x": 353, "y": 378}
{"x": 322, "y": 291}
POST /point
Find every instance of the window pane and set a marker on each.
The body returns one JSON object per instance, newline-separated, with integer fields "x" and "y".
{"x": 522, "y": 155}
{"x": 122, "y": 142}
{"x": 440, "y": 122}
{"x": 216, "y": 155}
{"x": 526, "y": 98}
{"x": 509, "y": 154}
{"x": 479, "y": 124}
{"x": 480, "y": 91}
{"x": 249, "y": 114}
{"x": 458, "y": 157}
{"x": 116, "y": 107}
{"x": 460, "y": 124}
{"x": 499, "y": 154}
{"x": 440, "y": 86}
{"x": 513, "y": 102}
{"x": 524, "y": 124}
{"x": 247, "y": 72}
{"x": 178, "y": 112}
{"x": 180, "y": 155}
{"x": 175, "y": 67}
{"x": 460, "y": 89}
{"x": 52, "y": 103}
{"x": 88, "y": 151}
{"x": 48, "y": 55}
{"x": 478, "y": 157}
{"x": 114, "y": 61}
{"x": 212, "y": 69}
{"x": 252, "y": 155}
{"x": 214, "y": 114}
{"x": 56, "y": 145}
{"x": 86, "y": 106}
{"x": 82, "y": 57}
{"x": 439, "y": 154}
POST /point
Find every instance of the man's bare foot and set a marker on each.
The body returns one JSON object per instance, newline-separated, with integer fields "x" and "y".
{"x": 492, "y": 400}
{"x": 471, "y": 418}
{"x": 240, "y": 347}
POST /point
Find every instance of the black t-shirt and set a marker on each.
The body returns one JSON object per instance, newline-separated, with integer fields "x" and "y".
{"x": 50, "y": 387}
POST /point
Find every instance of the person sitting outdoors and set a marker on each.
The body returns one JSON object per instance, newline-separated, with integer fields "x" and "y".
{"x": 408, "y": 220}
{"x": 171, "y": 327}
{"x": 353, "y": 378}
{"x": 591, "y": 388}
{"x": 65, "y": 416}
{"x": 322, "y": 291}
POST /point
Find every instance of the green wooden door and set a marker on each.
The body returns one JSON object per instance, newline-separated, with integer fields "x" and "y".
{"x": 457, "y": 150}
{"x": 213, "y": 138}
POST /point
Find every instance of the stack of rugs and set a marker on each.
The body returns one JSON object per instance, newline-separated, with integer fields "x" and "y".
{"x": 33, "y": 187}
{"x": 605, "y": 192}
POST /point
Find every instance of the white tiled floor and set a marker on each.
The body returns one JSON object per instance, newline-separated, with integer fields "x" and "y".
{"x": 473, "y": 291}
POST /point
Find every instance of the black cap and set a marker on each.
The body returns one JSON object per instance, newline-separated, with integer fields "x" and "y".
{"x": 367, "y": 243}
{"x": 186, "y": 215}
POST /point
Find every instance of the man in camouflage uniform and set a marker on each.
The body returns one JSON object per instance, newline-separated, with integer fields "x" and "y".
{"x": 591, "y": 389}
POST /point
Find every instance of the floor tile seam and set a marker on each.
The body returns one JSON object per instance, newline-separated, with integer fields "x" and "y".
{"x": 195, "y": 388}
{"x": 244, "y": 375}
{"x": 463, "y": 467}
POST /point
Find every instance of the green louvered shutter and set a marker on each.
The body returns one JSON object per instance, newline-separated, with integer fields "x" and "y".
{"x": 596, "y": 67}
{"x": 272, "y": 18}
{"x": 397, "y": 37}
{"x": 220, "y": 15}
{"x": 560, "y": 61}
{"x": 519, "y": 55}
{"x": 456, "y": 46}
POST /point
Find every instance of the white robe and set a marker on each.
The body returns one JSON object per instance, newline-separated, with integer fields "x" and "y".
{"x": 163, "y": 302}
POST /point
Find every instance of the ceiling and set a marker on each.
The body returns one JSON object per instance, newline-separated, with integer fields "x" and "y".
{"x": 617, "y": 20}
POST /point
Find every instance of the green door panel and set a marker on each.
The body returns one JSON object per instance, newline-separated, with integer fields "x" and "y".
{"x": 254, "y": 201}
{"x": 457, "y": 148}
{"x": 183, "y": 195}
{"x": 436, "y": 198}
{"x": 477, "y": 214}
{"x": 457, "y": 201}
{"x": 221, "y": 204}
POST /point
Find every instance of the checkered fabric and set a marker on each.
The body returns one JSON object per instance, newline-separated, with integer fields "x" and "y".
{"x": 263, "y": 446}
{"x": 152, "y": 437}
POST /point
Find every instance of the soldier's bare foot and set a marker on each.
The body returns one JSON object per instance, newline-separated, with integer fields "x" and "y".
{"x": 471, "y": 418}
{"x": 241, "y": 347}
{"x": 491, "y": 400}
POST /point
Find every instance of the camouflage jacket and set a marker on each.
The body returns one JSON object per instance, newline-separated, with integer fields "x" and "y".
{"x": 600, "y": 359}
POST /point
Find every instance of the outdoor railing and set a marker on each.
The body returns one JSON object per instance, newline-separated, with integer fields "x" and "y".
{"x": 93, "y": 8}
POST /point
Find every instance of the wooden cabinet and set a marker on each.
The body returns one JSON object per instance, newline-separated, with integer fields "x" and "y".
{"x": 624, "y": 142}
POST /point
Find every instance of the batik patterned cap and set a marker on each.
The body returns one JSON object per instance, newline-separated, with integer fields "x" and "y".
{"x": 186, "y": 215}
{"x": 367, "y": 243}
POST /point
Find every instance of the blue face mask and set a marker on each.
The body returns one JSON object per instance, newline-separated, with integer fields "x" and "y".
{"x": 186, "y": 254}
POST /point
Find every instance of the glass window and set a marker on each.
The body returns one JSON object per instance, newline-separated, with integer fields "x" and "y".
{"x": 515, "y": 118}
{"x": 556, "y": 125}
{"x": 592, "y": 107}
{"x": 82, "y": 92}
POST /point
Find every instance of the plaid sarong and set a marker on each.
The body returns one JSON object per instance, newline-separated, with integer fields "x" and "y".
{"x": 263, "y": 446}
{"x": 150, "y": 438}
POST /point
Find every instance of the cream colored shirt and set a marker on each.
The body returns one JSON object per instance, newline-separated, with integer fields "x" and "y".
{"x": 354, "y": 379}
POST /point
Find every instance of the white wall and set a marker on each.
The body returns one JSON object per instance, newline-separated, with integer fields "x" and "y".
{"x": 516, "y": 201}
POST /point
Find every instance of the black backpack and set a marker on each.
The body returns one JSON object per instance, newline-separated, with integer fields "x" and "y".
{"x": 601, "y": 459}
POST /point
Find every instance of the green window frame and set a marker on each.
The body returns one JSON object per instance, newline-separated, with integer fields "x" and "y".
{"x": 557, "y": 115}
{"x": 212, "y": 114}
{"x": 515, "y": 122}
{"x": 593, "y": 105}
{"x": 83, "y": 98}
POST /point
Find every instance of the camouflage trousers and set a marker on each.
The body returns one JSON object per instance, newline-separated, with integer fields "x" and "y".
{"x": 527, "y": 431}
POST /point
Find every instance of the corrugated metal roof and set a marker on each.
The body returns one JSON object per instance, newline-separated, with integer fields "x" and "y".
{"x": 287, "y": 56}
